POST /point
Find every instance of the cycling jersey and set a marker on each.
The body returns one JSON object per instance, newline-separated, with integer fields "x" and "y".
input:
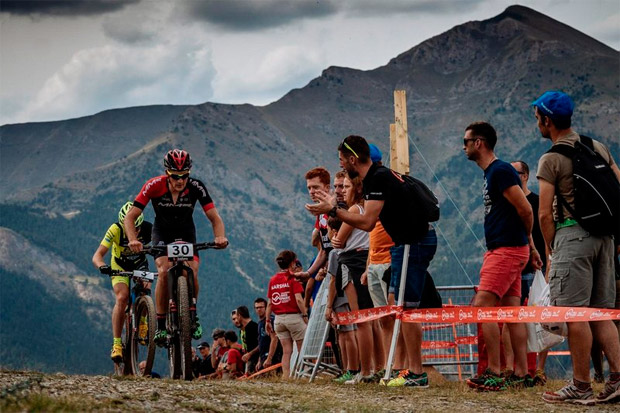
{"x": 168, "y": 214}
{"x": 122, "y": 257}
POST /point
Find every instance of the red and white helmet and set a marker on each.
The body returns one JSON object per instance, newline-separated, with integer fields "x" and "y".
{"x": 177, "y": 160}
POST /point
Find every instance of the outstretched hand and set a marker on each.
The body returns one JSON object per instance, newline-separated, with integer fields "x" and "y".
{"x": 326, "y": 202}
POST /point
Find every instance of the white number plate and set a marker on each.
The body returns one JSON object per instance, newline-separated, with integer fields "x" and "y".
{"x": 181, "y": 250}
{"x": 144, "y": 275}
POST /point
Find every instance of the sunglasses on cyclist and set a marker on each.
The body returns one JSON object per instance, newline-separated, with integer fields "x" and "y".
{"x": 177, "y": 176}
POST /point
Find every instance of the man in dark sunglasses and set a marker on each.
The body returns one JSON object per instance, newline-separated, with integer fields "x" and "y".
{"x": 173, "y": 196}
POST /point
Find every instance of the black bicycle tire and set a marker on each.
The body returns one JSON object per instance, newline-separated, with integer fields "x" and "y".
{"x": 144, "y": 302}
{"x": 174, "y": 353}
{"x": 185, "y": 334}
{"x": 126, "y": 340}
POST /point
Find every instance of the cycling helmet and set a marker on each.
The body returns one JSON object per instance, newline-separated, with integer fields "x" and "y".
{"x": 123, "y": 212}
{"x": 177, "y": 160}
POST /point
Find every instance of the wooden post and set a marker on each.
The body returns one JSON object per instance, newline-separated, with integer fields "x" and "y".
{"x": 400, "y": 131}
{"x": 393, "y": 153}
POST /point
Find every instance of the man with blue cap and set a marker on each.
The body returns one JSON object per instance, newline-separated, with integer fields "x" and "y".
{"x": 581, "y": 265}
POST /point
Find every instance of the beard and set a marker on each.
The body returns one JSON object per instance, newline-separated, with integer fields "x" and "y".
{"x": 352, "y": 173}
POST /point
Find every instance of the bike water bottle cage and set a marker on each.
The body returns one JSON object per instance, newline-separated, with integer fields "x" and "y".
{"x": 180, "y": 251}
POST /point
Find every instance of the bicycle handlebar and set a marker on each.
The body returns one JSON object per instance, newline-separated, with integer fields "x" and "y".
{"x": 154, "y": 249}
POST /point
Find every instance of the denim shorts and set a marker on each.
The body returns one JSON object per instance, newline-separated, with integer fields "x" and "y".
{"x": 420, "y": 255}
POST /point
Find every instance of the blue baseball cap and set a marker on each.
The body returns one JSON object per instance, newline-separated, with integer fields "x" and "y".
{"x": 375, "y": 153}
{"x": 555, "y": 105}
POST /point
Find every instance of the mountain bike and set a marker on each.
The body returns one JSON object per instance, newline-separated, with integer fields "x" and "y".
{"x": 181, "y": 314}
{"x": 140, "y": 325}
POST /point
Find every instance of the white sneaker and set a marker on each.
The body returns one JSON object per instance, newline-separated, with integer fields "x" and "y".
{"x": 356, "y": 379}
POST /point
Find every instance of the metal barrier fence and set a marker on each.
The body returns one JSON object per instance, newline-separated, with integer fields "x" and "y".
{"x": 452, "y": 348}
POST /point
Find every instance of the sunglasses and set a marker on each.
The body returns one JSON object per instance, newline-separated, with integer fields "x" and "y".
{"x": 346, "y": 145}
{"x": 177, "y": 177}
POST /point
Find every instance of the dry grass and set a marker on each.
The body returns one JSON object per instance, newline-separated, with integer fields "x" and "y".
{"x": 60, "y": 393}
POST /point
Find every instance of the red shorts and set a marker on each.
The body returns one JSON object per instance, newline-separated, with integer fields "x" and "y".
{"x": 501, "y": 270}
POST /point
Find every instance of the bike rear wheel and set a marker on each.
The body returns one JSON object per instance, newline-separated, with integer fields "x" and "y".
{"x": 143, "y": 348}
{"x": 185, "y": 333}
{"x": 123, "y": 368}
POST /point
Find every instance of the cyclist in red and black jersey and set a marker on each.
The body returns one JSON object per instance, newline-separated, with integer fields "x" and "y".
{"x": 173, "y": 196}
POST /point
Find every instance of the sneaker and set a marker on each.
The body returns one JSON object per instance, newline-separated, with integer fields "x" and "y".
{"x": 540, "y": 379}
{"x": 517, "y": 382}
{"x": 376, "y": 378}
{"x": 347, "y": 375}
{"x": 161, "y": 337}
{"x": 599, "y": 378}
{"x": 610, "y": 392}
{"x": 355, "y": 379}
{"x": 487, "y": 381}
{"x": 570, "y": 394}
{"x": 197, "y": 330}
{"x": 117, "y": 353}
{"x": 409, "y": 379}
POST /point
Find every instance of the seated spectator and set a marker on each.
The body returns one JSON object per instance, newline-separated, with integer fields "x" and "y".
{"x": 195, "y": 363}
{"x": 286, "y": 302}
{"x": 249, "y": 338}
{"x": 269, "y": 348}
{"x": 219, "y": 347}
{"x": 231, "y": 366}
{"x": 153, "y": 375}
{"x": 205, "y": 367}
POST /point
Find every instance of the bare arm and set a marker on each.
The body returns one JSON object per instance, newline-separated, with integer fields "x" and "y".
{"x": 340, "y": 240}
{"x": 218, "y": 227}
{"x": 98, "y": 256}
{"x": 130, "y": 228}
{"x": 268, "y": 325}
{"x": 319, "y": 262}
{"x": 365, "y": 221}
{"x": 516, "y": 197}
{"x": 300, "y": 304}
{"x": 545, "y": 214}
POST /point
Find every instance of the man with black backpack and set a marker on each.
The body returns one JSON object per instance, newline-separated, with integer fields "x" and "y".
{"x": 578, "y": 211}
{"x": 406, "y": 207}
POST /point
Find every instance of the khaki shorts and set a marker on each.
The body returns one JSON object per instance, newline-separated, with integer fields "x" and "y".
{"x": 290, "y": 326}
{"x": 582, "y": 269}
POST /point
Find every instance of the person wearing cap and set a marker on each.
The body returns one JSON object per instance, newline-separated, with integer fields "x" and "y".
{"x": 581, "y": 265}
{"x": 205, "y": 366}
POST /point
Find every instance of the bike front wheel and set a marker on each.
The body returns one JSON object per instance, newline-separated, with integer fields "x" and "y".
{"x": 185, "y": 333}
{"x": 142, "y": 344}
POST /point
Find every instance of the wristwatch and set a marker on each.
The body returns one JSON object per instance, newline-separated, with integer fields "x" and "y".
{"x": 332, "y": 212}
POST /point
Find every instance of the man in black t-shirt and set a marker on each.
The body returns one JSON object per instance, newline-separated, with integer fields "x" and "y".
{"x": 269, "y": 349}
{"x": 385, "y": 195}
{"x": 249, "y": 338}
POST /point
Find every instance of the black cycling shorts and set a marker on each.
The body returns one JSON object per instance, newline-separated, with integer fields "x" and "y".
{"x": 164, "y": 236}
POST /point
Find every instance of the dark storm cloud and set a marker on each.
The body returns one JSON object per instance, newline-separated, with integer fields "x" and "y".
{"x": 370, "y": 8}
{"x": 246, "y": 15}
{"x": 62, "y": 7}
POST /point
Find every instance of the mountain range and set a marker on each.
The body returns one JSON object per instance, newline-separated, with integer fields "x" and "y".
{"x": 64, "y": 181}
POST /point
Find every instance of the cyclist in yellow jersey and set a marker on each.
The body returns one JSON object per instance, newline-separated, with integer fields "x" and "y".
{"x": 123, "y": 259}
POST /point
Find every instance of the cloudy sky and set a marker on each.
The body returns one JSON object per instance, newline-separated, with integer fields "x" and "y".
{"x": 61, "y": 59}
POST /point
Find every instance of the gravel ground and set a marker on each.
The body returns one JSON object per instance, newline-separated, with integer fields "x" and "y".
{"x": 32, "y": 391}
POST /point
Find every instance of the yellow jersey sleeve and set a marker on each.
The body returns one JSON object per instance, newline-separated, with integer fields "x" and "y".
{"x": 112, "y": 236}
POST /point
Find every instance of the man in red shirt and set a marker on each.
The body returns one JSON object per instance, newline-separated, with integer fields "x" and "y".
{"x": 232, "y": 365}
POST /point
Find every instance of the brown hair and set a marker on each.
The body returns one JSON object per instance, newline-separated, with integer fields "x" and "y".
{"x": 358, "y": 193}
{"x": 321, "y": 172}
{"x": 285, "y": 258}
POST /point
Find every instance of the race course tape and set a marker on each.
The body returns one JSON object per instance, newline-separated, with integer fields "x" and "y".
{"x": 480, "y": 315}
